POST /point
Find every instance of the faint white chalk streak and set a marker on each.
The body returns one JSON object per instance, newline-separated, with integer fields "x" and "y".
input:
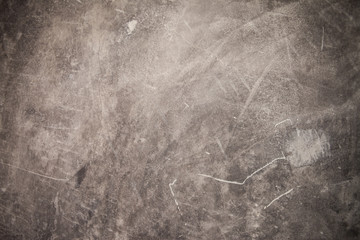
{"x": 257, "y": 85}
{"x": 37, "y": 174}
{"x": 220, "y": 146}
{"x": 173, "y": 194}
{"x": 171, "y": 184}
{"x": 243, "y": 182}
{"x": 277, "y": 198}
{"x": 283, "y": 122}
{"x": 322, "y": 38}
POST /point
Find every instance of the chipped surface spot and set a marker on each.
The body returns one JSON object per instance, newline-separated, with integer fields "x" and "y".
{"x": 131, "y": 26}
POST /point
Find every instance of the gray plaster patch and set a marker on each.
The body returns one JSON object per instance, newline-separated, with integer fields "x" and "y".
{"x": 307, "y": 146}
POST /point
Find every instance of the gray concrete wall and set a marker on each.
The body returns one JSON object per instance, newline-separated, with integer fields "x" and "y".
{"x": 179, "y": 119}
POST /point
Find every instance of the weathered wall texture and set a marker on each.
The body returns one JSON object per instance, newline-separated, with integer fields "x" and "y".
{"x": 179, "y": 119}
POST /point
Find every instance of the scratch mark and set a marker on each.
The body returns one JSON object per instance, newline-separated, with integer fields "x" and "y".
{"x": 283, "y": 122}
{"x": 212, "y": 56}
{"x": 186, "y": 106}
{"x": 119, "y": 10}
{"x": 288, "y": 52}
{"x": 234, "y": 88}
{"x": 220, "y": 146}
{"x": 329, "y": 22}
{"x": 171, "y": 184}
{"x": 339, "y": 10}
{"x": 68, "y": 150}
{"x": 67, "y": 219}
{"x": 322, "y": 39}
{"x": 247, "y": 178}
{"x": 310, "y": 43}
{"x": 242, "y": 80}
{"x": 277, "y": 198}
{"x": 221, "y": 86}
{"x": 187, "y": 25}
{"x": 172, "y": 193}
{"x": 37, "y": 174}
{"x": 60, "y": 128}
{"x": 342, "y": 182}
{"x": 70, "y": 108}
{"x": 256, "y": 86}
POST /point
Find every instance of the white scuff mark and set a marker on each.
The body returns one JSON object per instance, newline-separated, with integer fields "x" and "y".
{"x": 150, "y": 86}
{"x": 79, "y": 1}
{"x": 187, "y": 25}
{"x": 283, "y": 122}
{"x": 56, "y": 204}
{"x": 248, "y": 177}
{"x": 207, "y": 153}
{"x": 220, "y": 146}
{"x": 234, "y": 88}
{"x": 277, "y": 198}
{"x": 322, "y": 38}
{"x": 173, "y": 194}
{"x": 186, "y": 106}
{"x": 171, "y": 184}
{"x": 35, "y": 173}
{"x": 119, "y": 10}
{"x": 307, "y": 146}
{"x": 131, "y": 26}
{"x": 221, "y": 86}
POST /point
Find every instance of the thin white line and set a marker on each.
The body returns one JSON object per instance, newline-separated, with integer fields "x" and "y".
{"x": 171, "y": 184}
{"x": 220, "y": 146}
{"x": 172, "y": 192}
{"x": 277, "y": 198}
{"x": 322, "y": 38}
{"x": 283, "y": 122}
{"x": 37, "y": 174}
{"x": 243, "y": 182}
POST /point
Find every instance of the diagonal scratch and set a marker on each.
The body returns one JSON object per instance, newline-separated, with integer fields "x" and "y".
{"x": 322, "y": 39}
{"x": 277, "y": 198}
{"x": 37, "y": 174}
{"x": 256, "y": 86}
{"x": 283, "y": 122}
{"x": 172, "y": 193}
{"x": 247, "y": 178}
{"x": 220, "y": 146}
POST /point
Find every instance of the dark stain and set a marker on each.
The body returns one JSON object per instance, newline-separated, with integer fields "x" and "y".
{"x": 30, "y": 111}
{"x": 80, "y": 176}
{"x": 90, "y": 213}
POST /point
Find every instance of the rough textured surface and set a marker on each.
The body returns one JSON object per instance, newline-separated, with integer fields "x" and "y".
{"x": 110, "y": 110}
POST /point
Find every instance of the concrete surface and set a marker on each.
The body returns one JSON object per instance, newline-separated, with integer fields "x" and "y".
{"x": 179, "y": 119}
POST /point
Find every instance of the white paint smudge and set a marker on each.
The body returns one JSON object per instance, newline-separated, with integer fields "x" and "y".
{"x": 307, "y": 146}
{"x": 131, "y": 26}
